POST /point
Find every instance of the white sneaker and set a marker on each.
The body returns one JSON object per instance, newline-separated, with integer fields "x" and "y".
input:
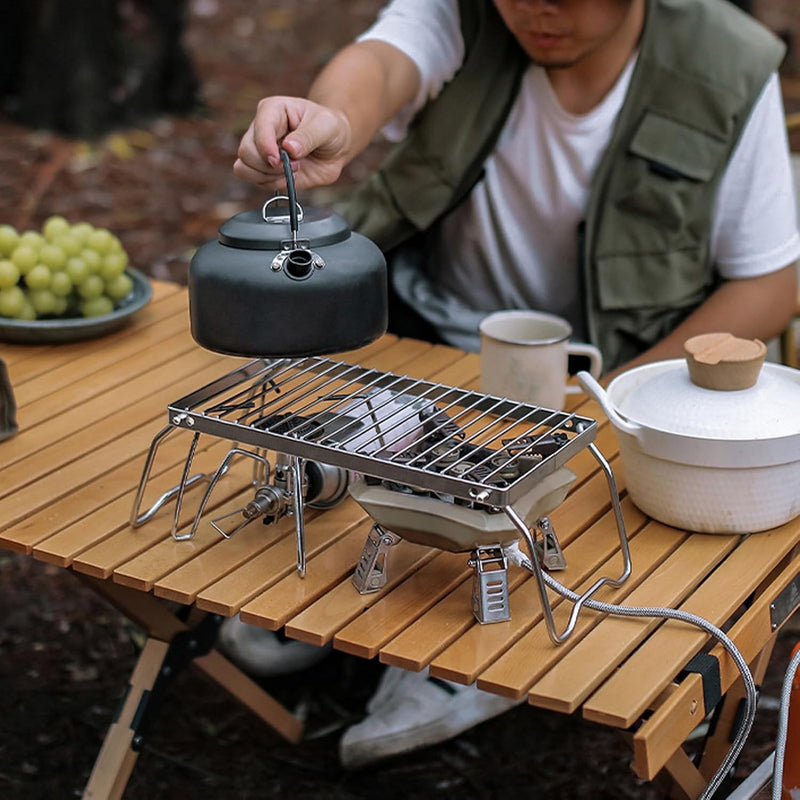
{"x": 264, "y": 654}
{"x": 411, "y": 710}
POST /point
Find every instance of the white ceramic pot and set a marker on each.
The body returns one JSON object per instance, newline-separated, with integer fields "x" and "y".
{"x": 703, "y": 459}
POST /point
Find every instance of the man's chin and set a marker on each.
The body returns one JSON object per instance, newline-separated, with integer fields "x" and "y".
{"x": 553, "y": 62}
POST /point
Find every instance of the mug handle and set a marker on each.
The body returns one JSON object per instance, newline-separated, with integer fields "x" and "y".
{"x": 595, "y": 362}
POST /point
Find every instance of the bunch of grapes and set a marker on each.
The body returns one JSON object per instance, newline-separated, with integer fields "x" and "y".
{"x": 61, "y": 271}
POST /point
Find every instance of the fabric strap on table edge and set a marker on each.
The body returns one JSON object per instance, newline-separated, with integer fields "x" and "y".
{"x": 707, "y": 667}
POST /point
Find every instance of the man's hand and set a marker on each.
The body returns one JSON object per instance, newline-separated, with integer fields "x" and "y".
{"x": 316, "y": 138}
{"x": 357, "y": 93}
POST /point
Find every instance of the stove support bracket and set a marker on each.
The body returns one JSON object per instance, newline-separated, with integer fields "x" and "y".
{"x": 371, "y": 572}
{"x": 490, "y": 584}
{"x": 548, "y": 547}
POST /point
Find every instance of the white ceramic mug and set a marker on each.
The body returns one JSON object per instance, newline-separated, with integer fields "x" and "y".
{"x": 524, "y": 357}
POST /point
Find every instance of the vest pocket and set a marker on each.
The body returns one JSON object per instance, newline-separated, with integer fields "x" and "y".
{"x": 674, "y": 149}
{"x": 675, "y": 279}
{"x": 670, "y": 168}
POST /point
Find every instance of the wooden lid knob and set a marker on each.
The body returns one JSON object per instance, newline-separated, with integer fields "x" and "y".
{"x": 721, "y": 361}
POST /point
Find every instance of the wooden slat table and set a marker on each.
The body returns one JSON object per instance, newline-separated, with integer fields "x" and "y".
{"x": 87, "y": 414}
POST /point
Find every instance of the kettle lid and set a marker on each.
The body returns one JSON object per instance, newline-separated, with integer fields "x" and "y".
{"x": 268, "y": 228}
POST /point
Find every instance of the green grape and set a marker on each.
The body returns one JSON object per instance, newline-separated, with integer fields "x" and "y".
{"x": 93, "y": 260}
{"x": 62, "y": 304}
{"x": 62, "y": 270}
{"x": 24, "y": 258}
{"x": 119, "y": 287}
{"x": 9, "y": 239}
{"x": 81, "y": 231}
{"x": 38, "y": 277}
{"x": 100, "y": 240}
{"x": 43, "y": 301}
{"x": 97, "y": 307}
{"x": 92, "y": 287}
{"x": 113, "y": 265}
{"x": 54, "y": 227}
{"x": 27, "y": 312}
{"x": 32, "y": 239}
{"x": 12, "y": 301}
{"x": 77, "y": 269}
{"x": 51, "y": 255}
{"x": 69, "y": 244}
{"x": 9, "y": 273}
{"x": 60, "y": 285}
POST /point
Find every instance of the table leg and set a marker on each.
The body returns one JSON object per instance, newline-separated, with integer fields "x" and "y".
{"x": 687, "y": 781}
{"x": 117, "y": 756}
{"x": 719, "y": 742}
{"x": 119, "y": 751}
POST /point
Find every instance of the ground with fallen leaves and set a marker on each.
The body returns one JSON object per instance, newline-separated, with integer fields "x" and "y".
{"x": 66, "y": 657}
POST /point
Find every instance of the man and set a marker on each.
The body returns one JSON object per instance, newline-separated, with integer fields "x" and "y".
{"x": 622, "y": 163}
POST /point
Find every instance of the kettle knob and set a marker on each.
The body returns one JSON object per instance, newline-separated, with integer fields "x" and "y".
{"x": 724, "y": 362}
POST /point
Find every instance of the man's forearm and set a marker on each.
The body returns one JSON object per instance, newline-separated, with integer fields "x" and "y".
{"x": 752, "y": 308}
{"x": 368, "y": 82}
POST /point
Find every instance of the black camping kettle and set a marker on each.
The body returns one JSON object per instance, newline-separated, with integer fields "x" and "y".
{"x": 296, "y": 283}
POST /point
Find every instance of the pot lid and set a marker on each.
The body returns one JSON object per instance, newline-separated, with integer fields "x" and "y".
{"x": 667, "y": 396}
{"x": 270, "y": 227}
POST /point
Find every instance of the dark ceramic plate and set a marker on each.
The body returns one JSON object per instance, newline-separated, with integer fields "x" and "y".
{"x": 50, "y": 331}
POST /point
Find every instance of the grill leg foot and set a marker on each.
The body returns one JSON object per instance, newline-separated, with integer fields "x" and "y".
{"x": 371, "y": 571}
{"x": 490, "y": 585}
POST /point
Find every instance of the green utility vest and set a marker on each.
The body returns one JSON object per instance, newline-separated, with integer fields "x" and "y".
{"x": 644, "y": 245}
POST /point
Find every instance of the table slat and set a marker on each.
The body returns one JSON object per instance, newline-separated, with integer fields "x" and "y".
{"x": 110, "y": 519}
{"x": 57, "y": 353}
{"x": 228, "y": 594}
{"x": 100, "y": 431}
{"x": 285, "y": 599}
{"x": 534, "y": 655}
{"x": 318, "y": 623}
{"x": 668, "y": 727}
{"x": 397, "y": 609}
{"x": 629, "y": 692}
{"x": 596, "y": 656}
{"x": 480, "y": 646}
{"x": 423, "y": 641}
{"x": 185, "y": 583}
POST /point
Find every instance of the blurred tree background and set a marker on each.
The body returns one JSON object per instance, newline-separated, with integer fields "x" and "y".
{"x": 82, "y": 67}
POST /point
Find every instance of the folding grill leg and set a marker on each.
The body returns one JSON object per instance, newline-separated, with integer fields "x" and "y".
{"x": 297, "y": 465}
{"x": 371, "y": 571}
{"x": 490, "y": 585}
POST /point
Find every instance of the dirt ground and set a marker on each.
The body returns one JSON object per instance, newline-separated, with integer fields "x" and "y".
{"x": 66, "y": 657}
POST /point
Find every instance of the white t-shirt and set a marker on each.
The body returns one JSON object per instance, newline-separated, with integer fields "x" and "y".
{"x": 512, "y": 243}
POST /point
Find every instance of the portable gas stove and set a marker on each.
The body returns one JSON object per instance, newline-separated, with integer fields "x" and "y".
{"x": 437, "y": 465}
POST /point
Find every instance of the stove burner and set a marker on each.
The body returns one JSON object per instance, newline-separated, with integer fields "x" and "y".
{"x": 438, "y": 425}
{"x": 290, "y": 425}
{"x": 506, "y": 467}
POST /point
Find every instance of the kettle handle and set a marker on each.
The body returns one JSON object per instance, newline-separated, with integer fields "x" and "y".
{"x": 290, "y": 191}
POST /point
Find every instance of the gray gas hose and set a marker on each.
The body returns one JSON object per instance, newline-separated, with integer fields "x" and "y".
{"x": 783, "y": 725}
{"x": 751, "y": 695}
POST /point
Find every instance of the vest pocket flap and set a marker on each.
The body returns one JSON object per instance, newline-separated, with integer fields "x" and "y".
{"x": 645, "y": 281}
{"x": 674, "y": 148}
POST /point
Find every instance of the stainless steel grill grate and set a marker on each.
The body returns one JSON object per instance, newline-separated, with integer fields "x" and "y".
{"x": 473, "y": 446}
{"x": 412, "y": 435}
